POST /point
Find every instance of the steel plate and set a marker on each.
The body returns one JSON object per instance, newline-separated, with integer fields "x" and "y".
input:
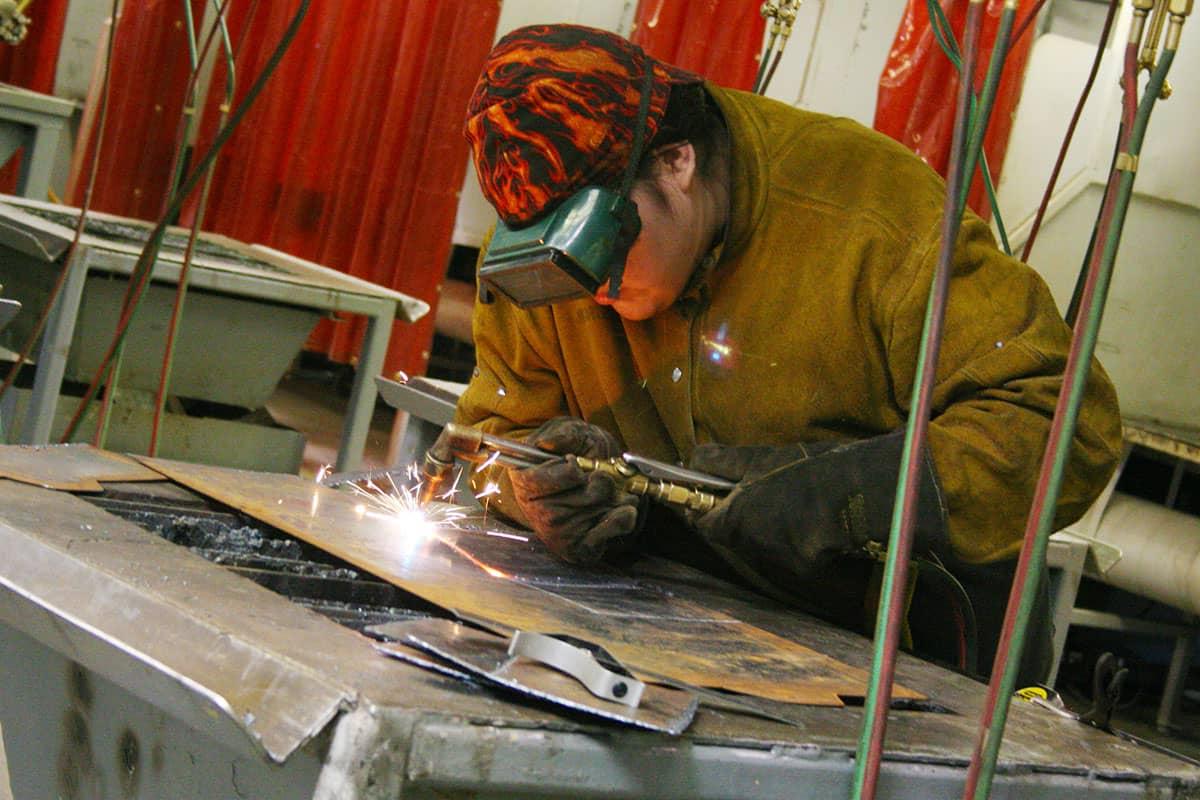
{"x": 70, "y": 467}
{"x": 480, "y": 571}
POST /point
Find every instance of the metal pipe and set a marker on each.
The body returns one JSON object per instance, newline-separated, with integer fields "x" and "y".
{"x": 986, "y": 99}
{"x": 1041, "y": 515}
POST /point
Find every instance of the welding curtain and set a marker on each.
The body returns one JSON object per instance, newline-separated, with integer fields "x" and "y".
{"x": 719, "y": 39}
{"x": 918, "y": 87}
{"x": 353, "y": 155}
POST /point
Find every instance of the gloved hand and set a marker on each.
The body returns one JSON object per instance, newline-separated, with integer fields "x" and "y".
{"x": 798, "y": 509}
{"x": 580, "y": 516}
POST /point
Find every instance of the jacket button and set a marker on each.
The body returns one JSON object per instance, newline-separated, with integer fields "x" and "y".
{"x": 676, "y": 374}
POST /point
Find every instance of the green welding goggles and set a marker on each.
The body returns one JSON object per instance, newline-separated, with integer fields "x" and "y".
{"x": 569, "y": 253}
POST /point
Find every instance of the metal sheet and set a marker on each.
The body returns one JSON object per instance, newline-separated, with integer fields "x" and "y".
{"x": 479, "y": 570}
{"x": 70, "y": 467}
{"x": 419, "y": 397}
{"x": 134, "y": 619}
{"x": 486, "y": 658}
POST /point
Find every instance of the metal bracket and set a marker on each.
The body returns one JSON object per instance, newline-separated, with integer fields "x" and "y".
{"x": 579, "y": 664}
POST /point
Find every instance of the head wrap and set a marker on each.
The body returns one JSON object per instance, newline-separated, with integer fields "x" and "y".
{"x": 555, "y": 110}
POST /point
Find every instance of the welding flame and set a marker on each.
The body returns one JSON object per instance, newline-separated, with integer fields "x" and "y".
{"x": 400, "y": 506}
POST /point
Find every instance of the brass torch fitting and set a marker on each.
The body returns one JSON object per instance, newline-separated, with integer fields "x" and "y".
{"x": 638, "y": 484}
{"x": 1175, "y": 26}
{"x": 1149, "y": 55}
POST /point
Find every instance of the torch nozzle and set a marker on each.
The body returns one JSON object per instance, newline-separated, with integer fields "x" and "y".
{"x": 454, "y": 441}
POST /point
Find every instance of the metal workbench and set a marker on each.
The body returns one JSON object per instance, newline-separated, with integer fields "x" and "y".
{"x": 40, "y": 233}
{"x": 132, "y": 667}
{"x": 32, "y": 123}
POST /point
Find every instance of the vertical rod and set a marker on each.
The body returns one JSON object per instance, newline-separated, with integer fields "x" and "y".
{"x": 1041, "y": 516}
{"x": 987, "y": 99}
{"x": 895, "y": 577}
{"x": 56, "y": 345}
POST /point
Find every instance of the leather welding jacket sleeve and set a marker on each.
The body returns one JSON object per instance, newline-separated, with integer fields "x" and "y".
{"x": 804, "y": 326}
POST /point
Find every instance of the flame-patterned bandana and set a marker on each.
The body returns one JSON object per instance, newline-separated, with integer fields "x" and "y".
{"x": 556, "y": 110}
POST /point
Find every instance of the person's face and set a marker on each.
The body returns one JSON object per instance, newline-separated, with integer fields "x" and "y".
{"x": 670, "y": 244}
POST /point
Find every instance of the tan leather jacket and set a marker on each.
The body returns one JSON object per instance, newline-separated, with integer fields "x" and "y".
{"x": 807, "y": 328}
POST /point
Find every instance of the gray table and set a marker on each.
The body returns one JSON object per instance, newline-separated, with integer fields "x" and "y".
{"x": 34, "y": 122}
{"x": 267, "y": 275}
{"x": 131, "y": 666}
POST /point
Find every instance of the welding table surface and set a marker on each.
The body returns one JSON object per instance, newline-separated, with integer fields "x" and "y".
{"x": 476, "y": 568}
{"x": 59, "y": 549}
{"x": 251, "y": 271}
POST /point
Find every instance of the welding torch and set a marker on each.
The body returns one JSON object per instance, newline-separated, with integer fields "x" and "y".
{"x": 644, "y": 477}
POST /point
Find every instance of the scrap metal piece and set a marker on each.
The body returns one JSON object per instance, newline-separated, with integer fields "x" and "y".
{"x": 421, "y": 397}
{"x": 486, "y": 657}
{"x": 762, "y": 708}
{"x": 479, "y": 567}
{"x": 418, "y": 658}
{"x": 70, "y": 467}
{"x": 579, "y": 664}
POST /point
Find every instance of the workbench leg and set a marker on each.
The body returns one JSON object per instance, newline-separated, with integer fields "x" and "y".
{"x": 52, "y": 354}
{"x": 1177, "y": 676}
{"x": 1065, "y": 560}
{"x": 363, "y": 393}
{"x": 41, "y": 149}
{"x": 396, "y": 440}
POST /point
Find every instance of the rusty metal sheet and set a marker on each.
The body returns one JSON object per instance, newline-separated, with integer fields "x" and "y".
{"x": 479, "y": 569}
{"x": 70, "y": 467}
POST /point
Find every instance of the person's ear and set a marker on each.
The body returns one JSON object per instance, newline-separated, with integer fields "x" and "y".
{"x": 677, "y": 164}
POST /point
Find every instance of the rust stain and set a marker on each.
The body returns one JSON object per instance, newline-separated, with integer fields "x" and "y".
{"x": 128, "y": 763}
{"x": 77, "y": 773}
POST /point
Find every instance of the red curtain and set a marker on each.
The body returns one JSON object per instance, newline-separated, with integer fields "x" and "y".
{"x": 147, "y": 81}
{"x": 353, "y": 156}
{"x": 32, "y": 64}
{"x": 918, "y": 87}
{"x": 719, "y": 39}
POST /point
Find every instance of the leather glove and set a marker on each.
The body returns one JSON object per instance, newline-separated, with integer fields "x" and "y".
{"x": 580, "y": 516}
{"x": 798, "y": 509}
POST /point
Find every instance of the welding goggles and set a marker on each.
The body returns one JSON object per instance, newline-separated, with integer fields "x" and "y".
{"x": 566, "y": 254}
{"x": 573, "y": 250}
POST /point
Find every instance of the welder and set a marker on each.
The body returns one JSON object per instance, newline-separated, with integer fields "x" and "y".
{"x": 712, "y": 278}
